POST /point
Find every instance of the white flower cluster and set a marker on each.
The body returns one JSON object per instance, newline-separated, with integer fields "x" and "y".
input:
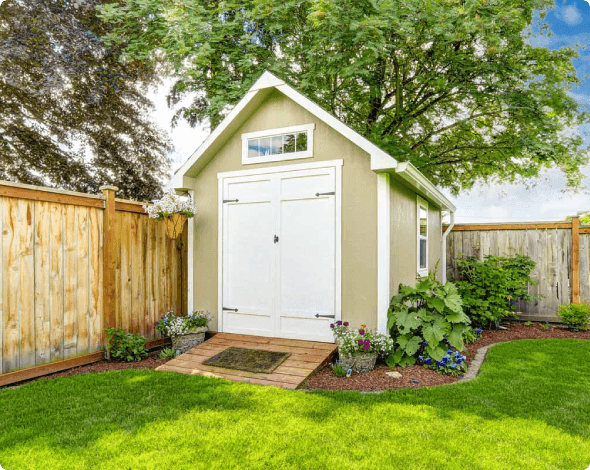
{"x": 171, "y": 204}
{"x": 177, "y": 326}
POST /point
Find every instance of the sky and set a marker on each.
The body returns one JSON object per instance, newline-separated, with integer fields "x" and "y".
{"x": 544, "y": 199}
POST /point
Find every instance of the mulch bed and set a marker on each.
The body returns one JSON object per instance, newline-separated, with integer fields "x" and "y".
{"x": 418, "y": 376}
{"x": 150, "y": 362}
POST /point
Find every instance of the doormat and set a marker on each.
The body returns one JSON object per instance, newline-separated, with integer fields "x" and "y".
{"x": 250, "y": 360}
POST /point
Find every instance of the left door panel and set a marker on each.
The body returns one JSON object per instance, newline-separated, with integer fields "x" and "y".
{"x": 248, "y": 256}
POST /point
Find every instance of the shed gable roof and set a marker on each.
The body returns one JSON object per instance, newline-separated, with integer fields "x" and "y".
{"x": 381, "y": 162}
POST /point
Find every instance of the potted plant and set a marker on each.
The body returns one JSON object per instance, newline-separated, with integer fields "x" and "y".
{"x": 187, "y": 331}
{"x": 174, "y": 210}
{"x": 360, "y": 348}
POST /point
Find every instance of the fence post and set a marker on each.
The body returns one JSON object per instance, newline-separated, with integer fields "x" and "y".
{"x": 575, "y": 260}
{"x": 110, "y": 241}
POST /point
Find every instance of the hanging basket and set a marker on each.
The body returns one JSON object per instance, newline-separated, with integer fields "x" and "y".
{"x": 174, "y": 225}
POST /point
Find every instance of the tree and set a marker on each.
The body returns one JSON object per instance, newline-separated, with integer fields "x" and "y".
{"x": 72, "y": 115}
{"x": 454, "y": 86}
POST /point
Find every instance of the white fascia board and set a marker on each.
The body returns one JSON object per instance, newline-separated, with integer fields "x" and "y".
{"x": 412, "y": 175}
{"x": 216, "y": 133}
{"x": 267, "y": 80}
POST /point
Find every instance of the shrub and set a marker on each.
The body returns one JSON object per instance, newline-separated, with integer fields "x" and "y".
{"x": 426, "y": 320}
{"x": 575, "y": 316}
{"x": 124, "y": 346}
{"x": 361, "y": 341}
{"x": 487, "y": 287}
{"x": 173, "y": 325}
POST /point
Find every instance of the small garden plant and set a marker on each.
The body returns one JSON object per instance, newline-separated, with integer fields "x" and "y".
{"x": 173, "y": 325}
{"x": 167, "y": 353}
{"x": 488, "y": 287}
{"x": 575, "y": 316}
{"x": 124, "y": 346}
{"x": 341, "y": 369}
{"x": 425, "y": 321}
{"x": 452, "y": 363}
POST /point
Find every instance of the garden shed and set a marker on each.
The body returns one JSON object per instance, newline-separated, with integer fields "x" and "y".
{"x": 302, "y": 221}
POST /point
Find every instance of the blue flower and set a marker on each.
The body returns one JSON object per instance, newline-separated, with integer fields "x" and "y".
{"x": 478, "y": 331}
{"x": 459, "y": 361}
{"x": 425, "y": 343}
{"x": 420, "y": 358}
{"x": 457, "y": 353}
{"x": 452, "y": 366}
{"x": 449, "y": 351}
{"x": 445, "y": 360}
{"x": 439, "y": 364}
{"x": 428, "y": 361}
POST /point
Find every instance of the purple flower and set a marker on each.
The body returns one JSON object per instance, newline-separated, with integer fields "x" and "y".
{"x": 156, "y": 324}
{"x": 366, "y": 346}
{"x": 361, "y": 332}
{"x": 361, "y": 342}
{"x": 345, "y": 323}
{"x": 331, "y": 325}
{"x": 339, "y": 322}
{"x": 367, "y": 342}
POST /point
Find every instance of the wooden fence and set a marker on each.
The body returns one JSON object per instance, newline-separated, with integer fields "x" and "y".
{"x": 73, "y": 264}
{"x": 561, "y": 251}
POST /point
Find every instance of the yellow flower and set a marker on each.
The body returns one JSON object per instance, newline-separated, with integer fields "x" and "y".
{"x": 363, "y": 326}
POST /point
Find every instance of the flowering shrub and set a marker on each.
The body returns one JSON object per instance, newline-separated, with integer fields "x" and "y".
{"x": 426, "y": 320}
{"x": 173, "y": 325}
{"x": 452, "y": 363}
{"x": 361, "y": 341}
{"x": 169, "y": 205}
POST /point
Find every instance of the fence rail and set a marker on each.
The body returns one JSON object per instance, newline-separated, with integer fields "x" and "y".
{"x": 561, "y": 251}
{"x": 72, "y": 264}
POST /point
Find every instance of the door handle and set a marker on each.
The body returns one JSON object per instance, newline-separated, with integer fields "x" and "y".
{"x": 331, "y": 193}
{"x": 229, "y": 309}
{"x": 317, "y": 315}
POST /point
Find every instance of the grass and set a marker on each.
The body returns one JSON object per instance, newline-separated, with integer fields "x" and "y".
{"x": 529, "y": 408}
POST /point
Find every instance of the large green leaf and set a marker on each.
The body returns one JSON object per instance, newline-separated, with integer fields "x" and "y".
{"x": 433, "y": 333}
{"x": 409, "y": 344}
{"x": 436, "y": 303}
{"x": 436, "y": 352}
{"x": 407, "y": 320}
{"x": 454, "y": 303}
{"x": 455, "y": 337}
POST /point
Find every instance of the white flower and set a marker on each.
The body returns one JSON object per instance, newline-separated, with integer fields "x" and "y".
{"x": 171, "y": 204}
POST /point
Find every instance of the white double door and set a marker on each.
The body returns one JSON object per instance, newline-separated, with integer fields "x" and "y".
{"x": 279, "y": 254}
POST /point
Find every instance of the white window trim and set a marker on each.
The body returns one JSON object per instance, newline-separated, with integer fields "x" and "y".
{"x": 283, "y": 156}
{"x": 421, "y": 203}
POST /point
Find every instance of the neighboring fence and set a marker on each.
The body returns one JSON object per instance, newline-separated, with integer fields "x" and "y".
{"x": 72, "y": 264}
{"x": 561, "y": 251}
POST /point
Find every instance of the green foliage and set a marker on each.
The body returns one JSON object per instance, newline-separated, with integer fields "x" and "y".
{"x": 575, "y": 316}
{"x": 125, "y": 346}
{"x": 341, "y": 369}
{"x": 425, "y": 319}
{"x": 72, "y": 115}
{"x": 455, "y": 87}
{"x": 167, "y": 353}
{"x": 487, "y": 287}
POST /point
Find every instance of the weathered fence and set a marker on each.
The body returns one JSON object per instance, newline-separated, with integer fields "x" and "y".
{"x": 72, "y": 264}
{"x": 561, "y": 251}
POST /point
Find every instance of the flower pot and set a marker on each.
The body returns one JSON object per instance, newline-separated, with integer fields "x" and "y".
{"x": 189, "y": 340}
{"x": 360, "y": 364}
{"x": 174, "y": 225}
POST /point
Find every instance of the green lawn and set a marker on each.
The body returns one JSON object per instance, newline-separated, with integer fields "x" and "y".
{"x": 529, "y": 408}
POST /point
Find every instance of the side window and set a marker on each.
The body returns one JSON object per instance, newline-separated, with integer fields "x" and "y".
{"x": 422, "y": 231}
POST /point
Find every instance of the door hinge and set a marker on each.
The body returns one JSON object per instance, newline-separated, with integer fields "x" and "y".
{"x": 331, "y": 193}
{"x": 317, "y": 315}
{"x": 276, "y": 239}
{"x": 230, "y": 200}
{"x": 229, "y": 309}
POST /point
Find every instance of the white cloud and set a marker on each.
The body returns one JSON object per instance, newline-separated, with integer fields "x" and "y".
{"x": 571, "y": 15}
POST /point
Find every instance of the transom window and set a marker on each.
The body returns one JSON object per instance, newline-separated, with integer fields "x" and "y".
{"x": 422, "y": 206}
{"x": 287, "y": 143}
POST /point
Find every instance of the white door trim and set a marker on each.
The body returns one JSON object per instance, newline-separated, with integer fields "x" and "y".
{"x": 383, "y": 250}
{"x": 337, "y": 164}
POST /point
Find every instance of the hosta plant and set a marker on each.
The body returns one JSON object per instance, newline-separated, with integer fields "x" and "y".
{"x": 426, "y": 320}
